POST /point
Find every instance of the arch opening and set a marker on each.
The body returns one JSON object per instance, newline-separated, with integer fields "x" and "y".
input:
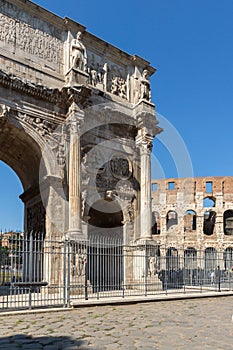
{"x": 228, "y": 259}
{"x": 228, "y": 222}
{"x": 190, "y": 220}
{"x": 208, "y": 202}
{"x": 155, "y": 230}
{"x": 190, "y": 266}
{"x": 22, "y": 153}
{"x": 171, "y": 219}
{"x": 210, "y": 260}
{"x": 11, "y": 213}
{"x": 105, "y": 252}
{"x": 209, "y": 222}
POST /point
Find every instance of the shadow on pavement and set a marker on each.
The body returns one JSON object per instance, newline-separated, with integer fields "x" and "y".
{"x": 24, "y": 341}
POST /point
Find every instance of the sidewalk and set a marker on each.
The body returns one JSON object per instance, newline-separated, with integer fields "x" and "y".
{"x": 178, "y": 324}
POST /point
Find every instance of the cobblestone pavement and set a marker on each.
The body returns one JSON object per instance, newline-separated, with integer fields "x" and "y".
{"x": 180, "y": 324}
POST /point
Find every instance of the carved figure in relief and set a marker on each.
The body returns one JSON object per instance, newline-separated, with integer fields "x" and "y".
{"x": 4, "y": 111}
{"x": 79, "y": 54}
{"x": 93, "y": 76}
{"x": 145, "y": 86}
{"x": 118, "y": 87}
{"x": 136, "y": 91}
{"x": 7, "y": 32}
{"x": 114, "y": 87}
{"x": 130, "y": 210}
{"x": 122, "y": 88}
{"x": 83, "y": 202}
{"x": 100, "y": 74}
{"x": 81, "y": 263}
{"x": 120, "y": 167}
{"x": 60, "y": 154}
{"x": 151, "y": 266}
{"x": 84, "y": 170}
{"x": 41, "y": 126}
{"x": 96, "y": 75}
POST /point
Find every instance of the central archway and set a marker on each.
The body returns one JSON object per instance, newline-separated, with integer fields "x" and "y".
{"x": 22, "y": 154}
{"x": 105, "y": 253}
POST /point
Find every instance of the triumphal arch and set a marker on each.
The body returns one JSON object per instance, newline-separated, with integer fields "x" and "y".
{"x": 77, "y": 125}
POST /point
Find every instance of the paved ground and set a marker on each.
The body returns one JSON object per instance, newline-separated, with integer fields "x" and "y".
{"x": 180, "y": 324}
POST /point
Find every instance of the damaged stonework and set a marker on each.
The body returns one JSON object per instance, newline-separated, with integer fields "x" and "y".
{"x": 195, "y": 215}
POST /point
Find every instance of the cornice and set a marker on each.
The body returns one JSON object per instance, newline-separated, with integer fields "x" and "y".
{"x": 64, "y": 97}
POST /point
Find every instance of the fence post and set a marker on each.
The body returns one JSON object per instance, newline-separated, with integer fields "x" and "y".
{"x": 30, "y": 257}
{"x": 86, "y": 270}
{"x": 68, "y": 273}
{"x": 146, "y": 270}
{"x": 219, "y": 279}
{"x": 64, "y": 276}
{"x": 98, "y": 266}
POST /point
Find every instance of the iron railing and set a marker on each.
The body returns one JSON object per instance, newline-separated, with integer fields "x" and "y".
{"x": 37, "y": 272}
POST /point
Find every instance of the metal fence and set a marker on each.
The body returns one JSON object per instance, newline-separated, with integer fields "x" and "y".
{"x": 37, "y": 272}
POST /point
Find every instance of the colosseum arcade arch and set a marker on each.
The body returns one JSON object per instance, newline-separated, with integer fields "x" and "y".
{"x": 228, "y": 222}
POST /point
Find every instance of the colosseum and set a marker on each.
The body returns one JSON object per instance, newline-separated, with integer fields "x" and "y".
{"x": 193, "y": 217}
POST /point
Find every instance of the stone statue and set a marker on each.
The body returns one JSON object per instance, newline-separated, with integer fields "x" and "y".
{"x": 100, "y": 74}
{"x": 145, "y": 86}
{"x": 151, "y": 266}
{"x": 79, "y": 54}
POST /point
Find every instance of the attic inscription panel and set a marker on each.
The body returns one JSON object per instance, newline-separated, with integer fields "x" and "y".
{"x": 31, "y": 35}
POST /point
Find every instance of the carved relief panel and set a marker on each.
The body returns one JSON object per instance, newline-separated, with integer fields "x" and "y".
{"x": 107, "y": 76}
{"x": 21, "y": 31}
{"x": 120, "y": 167}
{"x": 54, "y": 135}
{"x": 97, "y": 70}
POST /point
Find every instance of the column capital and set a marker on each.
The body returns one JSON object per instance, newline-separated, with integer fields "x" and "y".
{"x": 75, "y": 118}
{"x": 144, "y": 141}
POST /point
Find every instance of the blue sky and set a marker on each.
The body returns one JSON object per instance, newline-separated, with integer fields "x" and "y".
{"x": 190, "y": 42}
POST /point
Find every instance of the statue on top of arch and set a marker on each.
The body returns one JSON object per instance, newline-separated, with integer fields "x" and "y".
{"x": 78, "y": 53}
{"x": 76, "y": 60}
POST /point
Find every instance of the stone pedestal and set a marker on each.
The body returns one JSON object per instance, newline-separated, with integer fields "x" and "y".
{"x": 76, "y": 76}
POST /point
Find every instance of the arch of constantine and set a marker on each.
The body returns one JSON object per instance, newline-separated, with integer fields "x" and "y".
{"x": 77, "y": 125}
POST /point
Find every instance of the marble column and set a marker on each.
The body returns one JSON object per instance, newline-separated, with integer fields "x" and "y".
{"x": 144, "y": 144}
{"x": 75, "y": 120}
